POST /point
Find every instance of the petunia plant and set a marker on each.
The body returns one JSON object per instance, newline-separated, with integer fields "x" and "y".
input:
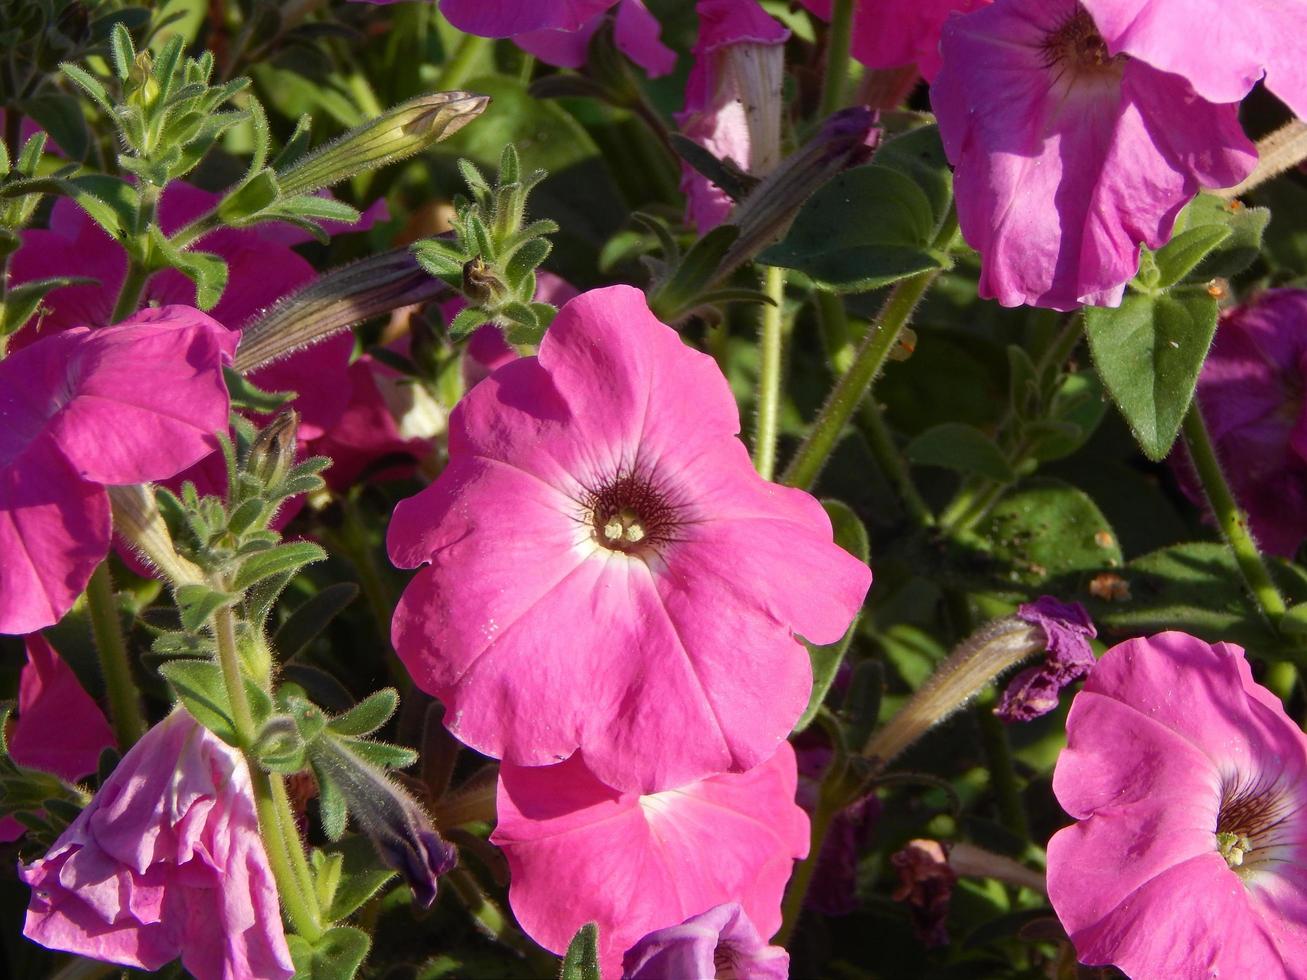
{"x": 653, "y": 489}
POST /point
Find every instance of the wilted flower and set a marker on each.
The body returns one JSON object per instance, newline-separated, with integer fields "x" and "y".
{"x": 165, "y": 861}
{"x": 1251, "y": 395}
{"x": 635, "y": 864}
{"x": 607, "y": 570}
{"x": 60, "y": 729}
{"x": 1067, "y": 629}
{"x": 732, "y": 99}
{"x": 1068, "y": 156}
{"x": 926, "y": 884}
{"x": 1189, "y": 783}
{"x": 77, "y": 417}
{"x": 1245, "y": 45}
{"x": 721, "y": 942}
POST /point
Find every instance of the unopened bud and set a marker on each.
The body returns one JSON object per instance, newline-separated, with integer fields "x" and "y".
{"x": 137, "y": 521}
{"x": 334, "y": 302}
{"x": 480, "y": 284}
{"x": 273, "y": 453}
{"x": 394, "y": 135}
{"x": 397, "y": 826}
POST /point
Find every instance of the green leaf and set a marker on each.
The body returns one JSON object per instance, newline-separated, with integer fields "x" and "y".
{"x": 89, "y": 84}
{"x": 249, "y": 199}
{"x": 331, "y": 806}
{"x": 206, "y": 270}
{"x": 245, "y": 394}
{"x": 288, "y": 557}
{"x": 961, "y": 447}
{"x": 442, "y": 258}
{"x": 1239, "y": 249}
{"x": 199, "y": 685}
{"x": 198, "y": 602}
{"x": 694, "y": 271}
{"x": 360, "y": 878}
{"x": 382, "y": 754}
{"x": 337, "y": 955}
{"x": 311, "y": 618}
{"x": 1075, "y": 412}
{"x": 1148, "y": 353}
{"x": 368, "y": 715}
{"x": 22, "y": 301}
{"x": 1185, "y": 251}
{"x": 112, "y": 203}
{"x": 851, "y": 535}
{"x": 466, "y": 321}
{"x": 919, "y": 154}
{"x": 581, "y": 961}
{"x": 866, "y": 228}
{"x": 1047, "y": 529}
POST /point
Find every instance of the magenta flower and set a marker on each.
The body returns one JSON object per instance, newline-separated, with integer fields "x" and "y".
{"x": 165, "y": 861}
{"x": 506, "y": 18}
{"x": 719, "y": 942}
{"x": 635, "y": 32}
{"x": 606, "y": 569}
{"x": 60, "y": 729}
{"x": 261, "y": 268}
{"x": 1067, "y": 631}
{"x": 77, "y": 417}
{"x": 898, "y": 33}
{"x": 1069, "y": 157}
{"x": 1251, "y": 395}
{"x": 579, "y": 851}
{"x": 1187, "y": 780}
{"x": 1268, "y": 39}
{"x": 732, "y": 99}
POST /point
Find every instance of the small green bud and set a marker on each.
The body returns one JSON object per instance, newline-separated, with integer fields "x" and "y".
{"x": 273, "y": 453}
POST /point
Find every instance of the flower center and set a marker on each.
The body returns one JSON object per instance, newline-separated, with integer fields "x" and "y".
{"x": 1254, "y": 825}
{"x": 724, "y": 965}
{"x": 1077, "y": 46}
{"x": 630, "y": 514}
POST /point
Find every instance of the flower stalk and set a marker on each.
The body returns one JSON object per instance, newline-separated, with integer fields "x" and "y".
{"x": 771, "y": 358}
{"x": 125, "y": 710}
{"x": 839, "y": 39}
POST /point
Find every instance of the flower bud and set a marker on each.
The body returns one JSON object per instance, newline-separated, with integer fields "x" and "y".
{"x": 273, "y": 453}
{"x": 399, "y": 829}
{"x": 401, "y": 132}
{"x": 334, "y": 302}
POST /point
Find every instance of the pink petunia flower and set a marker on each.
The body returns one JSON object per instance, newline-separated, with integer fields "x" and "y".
{"x": 606, "y": 569}
{"x": 1251, "y": 394}
{"x": 1188, "y": 782}
{"x": 165, "y": 861}
{"x": 635, "y": 864}
{"x": 732, "y": 100}
{"x": 636, "y": 33}
{"x": 76, "y": 417}
{"x": 1242, "y": 44}
{"x": 1069, "y": 157}
{"x": 59, "y": 729}
{"x": 898, "y": 33}
{"x": 719, "y": 942}
{"x": 261, "y": 268}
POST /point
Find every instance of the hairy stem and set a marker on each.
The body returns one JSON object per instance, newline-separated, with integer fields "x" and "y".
{"x": 770, "y": 343}
{"x": 124, "y": 699}
{"x": 838, "y": 41}
{"x": 1277, "y": 153}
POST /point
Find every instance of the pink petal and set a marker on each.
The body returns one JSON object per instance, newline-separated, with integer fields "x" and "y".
{"x": 740, "y": 833}
{"x": 1235, "y": 50}
{"x": 897, "y": 33}
{"x": 504, "y": 18}
{"x": 60, "y": 729}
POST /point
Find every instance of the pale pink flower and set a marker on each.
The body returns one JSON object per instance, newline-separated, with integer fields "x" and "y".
{"x": 1189, "y": 783}
{"x": 59, "y": 729}
{"x": 716, "y": 943}
{"x": 579, "y": 851}
{"x": 1239, "y": 44}
{"x": 732, "y": 100}
{"x": 898, "y": 33}
{"x": 1068, "y": 158}
{"x": 1251, "y": 392}
{"x": 75, "y": 417}
{"x": 165, "y": 861}
{"x": 606, "y": 569}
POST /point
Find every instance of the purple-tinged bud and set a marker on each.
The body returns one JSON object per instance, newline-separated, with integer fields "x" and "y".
{"x": 1067, "y": 630}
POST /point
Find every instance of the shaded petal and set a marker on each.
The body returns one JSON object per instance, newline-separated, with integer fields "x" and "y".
{"x": 60, "y": 728}
{"x": 504, "y": 18}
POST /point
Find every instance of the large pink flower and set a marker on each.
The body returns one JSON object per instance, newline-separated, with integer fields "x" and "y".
{"x": 732, "y": 99}
{"x": 165, "y": 861}
{"x": 60, "y": 729}
{"x": 1068, "y": 157}
{"x": 1252, "y": 393}
{"x": 76, "y": 417}
{"x": 581, "y": 852}
{"x": 1239, "y": 45}
{"x": 607, "y": 571}
{"x": 1189, "y": 783}
{"x": 261, "y": 268}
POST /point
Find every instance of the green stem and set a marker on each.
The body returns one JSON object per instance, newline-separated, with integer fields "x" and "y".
{"x": 770, "y": 337}
{"x": 1232, "y": 521}
{"x": 494, "y": 923}
{"x": 129, "y": 296}
{"x": 1003, "y": 774}
{"x": 797, "y": 890}
{"x": 460, "y": 68}
{"x": 276, "y": 818}
{"x": 837, "y": 57}
{"x": 124, "y": 699}
{"x": 849, "y": 390}
{"x": 887, "y": 455}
